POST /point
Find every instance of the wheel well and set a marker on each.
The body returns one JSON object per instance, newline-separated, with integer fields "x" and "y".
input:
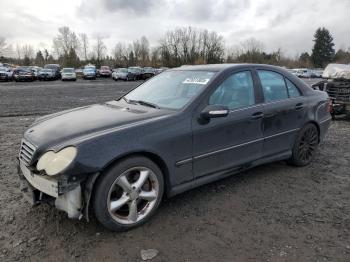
{"x": 318, "y": 128}
{"x": 155, "y": 158}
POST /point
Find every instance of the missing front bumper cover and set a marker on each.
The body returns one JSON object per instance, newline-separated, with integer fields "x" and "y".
{"x": 37, "y": 190}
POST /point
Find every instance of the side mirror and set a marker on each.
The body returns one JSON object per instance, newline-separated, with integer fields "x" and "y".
{"x": 214, "y": 111}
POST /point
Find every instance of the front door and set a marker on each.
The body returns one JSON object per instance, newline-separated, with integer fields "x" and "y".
{"x": 225, "y": 143}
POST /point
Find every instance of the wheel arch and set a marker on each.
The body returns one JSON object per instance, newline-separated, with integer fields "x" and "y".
{"x": 317, "y": 126}
{"x": 90, "y": 184}
{"x": 150, "y": 155}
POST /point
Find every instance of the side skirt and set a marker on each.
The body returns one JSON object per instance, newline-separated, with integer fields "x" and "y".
{"x": 226, "y": 173}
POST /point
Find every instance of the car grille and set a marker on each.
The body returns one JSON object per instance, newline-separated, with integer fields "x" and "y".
{"x": 339, "y": 93}
{"x": 26, "y": 152}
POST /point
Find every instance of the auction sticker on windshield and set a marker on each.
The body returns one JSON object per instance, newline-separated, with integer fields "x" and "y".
{"x": 196, "y": 80}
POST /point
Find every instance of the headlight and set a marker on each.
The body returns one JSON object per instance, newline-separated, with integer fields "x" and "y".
{"x": 53, "y": 163}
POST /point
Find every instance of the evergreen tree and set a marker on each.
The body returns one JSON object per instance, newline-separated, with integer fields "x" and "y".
{"x": 323, "y": 50}
{"x": 39, "y": 59}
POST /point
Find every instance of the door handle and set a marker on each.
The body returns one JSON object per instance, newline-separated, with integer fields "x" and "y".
{"x": 299, "y": 106}
{"x": 257, "y": 115}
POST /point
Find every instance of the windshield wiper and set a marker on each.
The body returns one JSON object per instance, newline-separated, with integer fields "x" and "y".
{"x": 144, "y": 103}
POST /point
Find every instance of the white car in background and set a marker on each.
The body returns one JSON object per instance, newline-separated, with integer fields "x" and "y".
{"x": 6, "y": 74}
{"x": 68, "y": 74}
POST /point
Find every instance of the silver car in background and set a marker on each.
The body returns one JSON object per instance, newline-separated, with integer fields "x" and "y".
{"x": 68, "y": 74}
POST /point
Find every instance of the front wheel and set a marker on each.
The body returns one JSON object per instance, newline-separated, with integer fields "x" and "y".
{"x": 128, "y": 194}
{"x": 305, "y": 146}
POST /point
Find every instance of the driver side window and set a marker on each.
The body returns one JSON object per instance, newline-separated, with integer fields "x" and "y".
{"x": 235, "y": 92}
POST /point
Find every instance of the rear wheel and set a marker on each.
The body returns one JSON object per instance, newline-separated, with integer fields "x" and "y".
{"x": 305, "y": 146}
{"x": 128, "y": 194}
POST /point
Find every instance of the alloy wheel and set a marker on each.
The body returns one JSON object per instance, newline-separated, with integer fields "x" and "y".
{"x": 133, "y": 195}
{"x": 308, "y": 144}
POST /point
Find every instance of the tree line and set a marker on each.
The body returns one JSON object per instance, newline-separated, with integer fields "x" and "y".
{"x": 184, "y": 45}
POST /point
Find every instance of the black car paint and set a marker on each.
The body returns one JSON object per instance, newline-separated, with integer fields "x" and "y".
{"x": 188, "y": 151}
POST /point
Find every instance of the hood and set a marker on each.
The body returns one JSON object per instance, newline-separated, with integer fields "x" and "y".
{"x": 91, "y": 120}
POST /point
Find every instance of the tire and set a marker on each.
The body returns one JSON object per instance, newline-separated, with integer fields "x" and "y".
{"x": 122, "y": 182}
{"x": 305, "y": 146}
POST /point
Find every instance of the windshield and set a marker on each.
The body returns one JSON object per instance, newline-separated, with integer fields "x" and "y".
{"x": 68, "y": 70}
{"x": 45, "y": 71}
{"x": 134, "y": 69}
{"x": 122, "y": 70}
{"x": 171, "y": 89}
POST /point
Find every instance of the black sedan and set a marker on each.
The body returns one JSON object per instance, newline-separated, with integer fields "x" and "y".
{"x": 179, "y": 130}
{"x": 23, "y": 74}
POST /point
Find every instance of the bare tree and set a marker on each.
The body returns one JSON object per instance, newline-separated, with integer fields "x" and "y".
{"x": 65, "y": 41}
{"x": 84, "y": 45}
{"x": 120, "y": 55}
{"x": 99, "y": 49}
{"x": 252, "y": 45}
{"x": 191, "y": 46}
{"x": 3, "y": 45}
{"x": 28, "y": 51}
{"x": 144, "y": 51}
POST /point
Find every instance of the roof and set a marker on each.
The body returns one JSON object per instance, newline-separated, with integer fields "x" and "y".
{"x": 220, "y": 67}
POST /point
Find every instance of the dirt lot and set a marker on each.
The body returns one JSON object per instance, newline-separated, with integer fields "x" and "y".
{"x": 271, "y": 213}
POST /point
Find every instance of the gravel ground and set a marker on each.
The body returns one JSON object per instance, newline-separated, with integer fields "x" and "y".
{"x": 270, "y": 213}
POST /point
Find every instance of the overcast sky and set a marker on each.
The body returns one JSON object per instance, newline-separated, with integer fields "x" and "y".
{"x": 278, "y": 24}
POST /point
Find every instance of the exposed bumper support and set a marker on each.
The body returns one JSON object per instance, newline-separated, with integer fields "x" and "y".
{"x": 71, "y": 203}
{"x": 38, "y": 189}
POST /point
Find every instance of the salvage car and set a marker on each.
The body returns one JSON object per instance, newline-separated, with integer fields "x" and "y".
{"x": 56, "y": 69}
{"x": 23, "y": 74}
{"x": 181, "y": 129}
{"x": 89, "y": 73}
{"x": 337, "y": 86}
{"x": 68, "y": 74}
{"x": 6, "y": 74}
{"x": 46, "y": 74}
{"x": 147, "y": 72}
{"x": 123, "y": 74}
{"x": 105, "y": 71}
{"x": 136, "y": 71}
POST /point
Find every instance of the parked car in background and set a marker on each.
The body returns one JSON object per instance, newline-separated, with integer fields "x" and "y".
{"x": 79, "y": 72}
{"x": 181, "y": 129}
{"x": 105, "y": 71}
{"x": 68, "y": 74}
{"x": 136, "y": 71}
{"x": 303, "y": 73}
{"x": 160, "y": 70}
{"x": 6, "y": 74}
{"x": 147, "y": 72}
{"x": 56, "y": 69}
{"x": 123, "y": 74}
{"x": 317, "y": 73}
{"x": 46, "y": 74}
{"x": 89, "y": 73}
{"x": 23, "y": 74}
{"x": 35, "y": 69}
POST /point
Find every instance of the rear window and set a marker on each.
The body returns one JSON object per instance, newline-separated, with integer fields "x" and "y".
{"x": 273, "y": 85}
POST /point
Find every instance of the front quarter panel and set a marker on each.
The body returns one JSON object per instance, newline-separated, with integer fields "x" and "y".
{"x": 170, "y": 139}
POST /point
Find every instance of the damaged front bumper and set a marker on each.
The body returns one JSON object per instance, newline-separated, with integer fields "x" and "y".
{"x": 38, "y": 189}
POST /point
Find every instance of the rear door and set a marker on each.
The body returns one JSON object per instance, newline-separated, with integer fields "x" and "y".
{"x": 284, "y": 112}
{"x": 228, "y": 142}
